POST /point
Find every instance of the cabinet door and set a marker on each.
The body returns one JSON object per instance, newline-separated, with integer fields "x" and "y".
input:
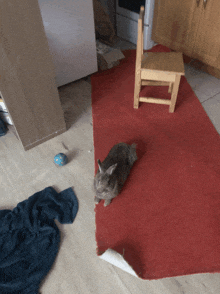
{"x": 207, "y": 43}
{"x": 27, "y": 76}
{"x": 175, "y": 24}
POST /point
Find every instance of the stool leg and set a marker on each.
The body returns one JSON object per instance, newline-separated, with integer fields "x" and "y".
{"x": 174, "y": 93}
{"x": 170, "y": 88}
{"x": 137, "y": 88}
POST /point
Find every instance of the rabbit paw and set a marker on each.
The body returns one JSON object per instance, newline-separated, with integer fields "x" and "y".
{"x": 97, "y": 200}
{"x": 107, "y": 202}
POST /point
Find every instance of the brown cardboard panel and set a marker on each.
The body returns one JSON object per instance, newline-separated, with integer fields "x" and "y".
{"x": 27, "y": 74}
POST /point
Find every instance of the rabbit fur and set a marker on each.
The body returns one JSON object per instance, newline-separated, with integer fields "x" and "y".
{"x": 113, "y": 172}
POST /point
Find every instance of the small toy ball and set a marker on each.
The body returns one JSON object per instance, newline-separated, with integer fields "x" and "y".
{"x": 60, "y": 159}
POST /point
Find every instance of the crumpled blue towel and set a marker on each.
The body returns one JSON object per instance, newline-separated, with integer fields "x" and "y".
{"x": 29, "y": 239}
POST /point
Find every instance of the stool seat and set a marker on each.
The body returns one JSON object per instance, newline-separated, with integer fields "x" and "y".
{"x": 171, "y": 62}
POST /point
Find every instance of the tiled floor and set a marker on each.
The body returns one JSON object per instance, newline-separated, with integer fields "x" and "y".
{"x": 207, "y": 89}
{"x": 77, "y": 269}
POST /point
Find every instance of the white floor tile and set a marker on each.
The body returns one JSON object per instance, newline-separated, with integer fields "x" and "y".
{"x": 203, "y": 95}
{"x": 212, "y": 108}
{"x": 204, "y": 85}
{"x": 196, "y": 77}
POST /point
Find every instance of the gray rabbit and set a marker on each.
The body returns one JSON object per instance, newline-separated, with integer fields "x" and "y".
{"x": 113, "y": 172}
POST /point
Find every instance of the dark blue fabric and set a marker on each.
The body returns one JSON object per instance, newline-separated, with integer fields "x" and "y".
{"x": 3, "y": 130}
{"x": 29, "y": 239}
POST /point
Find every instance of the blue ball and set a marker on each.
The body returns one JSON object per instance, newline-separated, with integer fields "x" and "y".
{"x": 60, "y": 159}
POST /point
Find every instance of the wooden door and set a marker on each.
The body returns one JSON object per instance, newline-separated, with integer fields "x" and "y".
{"x": 70, "y": 30}
{"x": 27, "y": 75}
{"x": 207, "y": 42}
{"x": 175, "y": 24}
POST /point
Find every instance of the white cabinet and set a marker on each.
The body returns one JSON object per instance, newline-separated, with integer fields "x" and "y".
{"x": 70, "y": 30}
{"x": 126, "y": 22}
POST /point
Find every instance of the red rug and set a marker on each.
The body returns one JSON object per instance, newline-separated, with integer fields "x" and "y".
{"x": 166, "y": 221}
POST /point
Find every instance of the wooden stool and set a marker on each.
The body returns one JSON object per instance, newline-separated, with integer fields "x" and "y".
{"x": 156, "y": 69}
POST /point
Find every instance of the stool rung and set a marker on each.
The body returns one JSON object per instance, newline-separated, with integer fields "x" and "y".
{"x": 154, "y": 83}
{"x": 155, "y": 100}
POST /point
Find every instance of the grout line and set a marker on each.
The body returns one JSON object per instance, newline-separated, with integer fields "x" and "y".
{"x": 211, "y": 97}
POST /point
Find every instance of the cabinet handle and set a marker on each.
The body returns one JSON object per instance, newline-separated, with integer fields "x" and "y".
{"x": 205, "y": 3}
{"x": 197, "y": 1}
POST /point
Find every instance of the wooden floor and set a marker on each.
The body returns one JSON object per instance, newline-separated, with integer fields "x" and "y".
{"x": 77, "y": 269}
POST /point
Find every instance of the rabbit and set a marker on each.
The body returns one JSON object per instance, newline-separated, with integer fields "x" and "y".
{"x": 113, "y": 172}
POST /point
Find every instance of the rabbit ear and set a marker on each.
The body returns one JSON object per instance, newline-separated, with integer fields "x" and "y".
{"x": 99, "y": 164}
{"x": 110, "y": 170}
